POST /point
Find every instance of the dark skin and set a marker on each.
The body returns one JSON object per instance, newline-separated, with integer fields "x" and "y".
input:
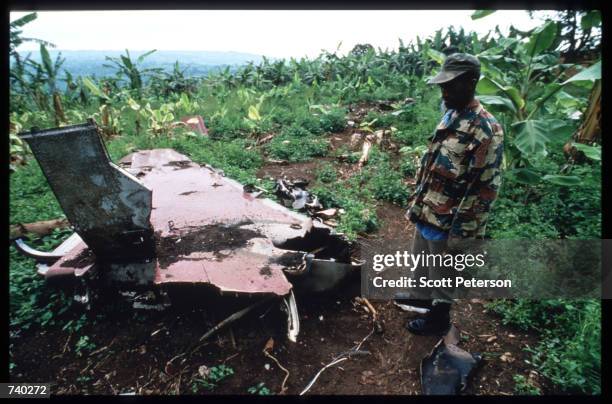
{"x": 459, "y": 92}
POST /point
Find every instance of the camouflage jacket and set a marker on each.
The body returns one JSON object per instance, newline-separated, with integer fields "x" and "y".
{"x": 459, "y": 175}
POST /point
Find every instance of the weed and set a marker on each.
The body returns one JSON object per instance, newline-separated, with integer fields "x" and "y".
{"x": 327, "y": 173}
{"x": 333, "y": 121}
{"x": 84, "y": 345}
{"x": 260, "y": 389}
{"x": 569, "y": 353}
{"x": 294, "y": 149}
{"x": 524, "y": 388}
{"x": 387, "y": 185}
{"x": 210, "y": 382}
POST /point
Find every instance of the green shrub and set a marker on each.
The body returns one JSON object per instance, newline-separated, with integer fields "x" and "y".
{"x": 327, "y": 173}
{"x": 360, "y": 211}
{"x": 259, "y": 389}
{"x": 383, "y": 120}
{"x": 408, "y": 168}
{"x": 296, "y": 130}
{"x": 294, "y": 149}
{"x": 387, "y": 185}
{"x": 227, "y": 128}
{"x": 345, "y": 153}
{"x": 334, "y": 120}
{"x": 309, "y": 122}
{"x": 569, "y": 352}
{"x": 216, "y": 375}
{"x": 523, "y": 387}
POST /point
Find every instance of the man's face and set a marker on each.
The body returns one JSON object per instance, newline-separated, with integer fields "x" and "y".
{"x": 458, "y": 92}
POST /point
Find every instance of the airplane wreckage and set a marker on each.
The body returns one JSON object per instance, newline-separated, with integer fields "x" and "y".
{"x": 159, "y": 219}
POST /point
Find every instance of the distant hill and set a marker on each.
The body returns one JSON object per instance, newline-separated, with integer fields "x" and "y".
{"x": 198, "y": 63}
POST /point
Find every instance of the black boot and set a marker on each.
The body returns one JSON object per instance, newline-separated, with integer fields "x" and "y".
{"x": 436, "y": 322}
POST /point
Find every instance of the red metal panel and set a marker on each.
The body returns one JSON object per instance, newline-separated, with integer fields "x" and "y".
{"x": 195, "y": 123}
{"x": 188, "y": 198}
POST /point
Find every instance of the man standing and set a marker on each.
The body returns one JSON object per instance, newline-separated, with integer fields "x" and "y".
{"x": 458, "y": 179}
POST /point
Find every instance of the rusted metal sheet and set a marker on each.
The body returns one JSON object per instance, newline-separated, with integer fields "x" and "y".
{"x": 108, "y": 207}
{"x": 185, "y": 194}
{"x": 207, "y": 230}
{"x": 195, "y": 123}
{"x": 447, "y": 369}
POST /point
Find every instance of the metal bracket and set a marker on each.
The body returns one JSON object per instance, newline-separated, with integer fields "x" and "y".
{"x": 40, "y": 256}
{"x": 293, "y": 318}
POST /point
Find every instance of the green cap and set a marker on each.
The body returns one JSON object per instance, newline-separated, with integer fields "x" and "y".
{"x": 454, "y": 66}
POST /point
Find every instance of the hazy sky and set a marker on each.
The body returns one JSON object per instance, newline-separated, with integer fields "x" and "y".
{"x": 274, "y": 33}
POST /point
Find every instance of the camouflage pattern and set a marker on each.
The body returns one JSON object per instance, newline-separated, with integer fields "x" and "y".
{"x": 459, "y": 176}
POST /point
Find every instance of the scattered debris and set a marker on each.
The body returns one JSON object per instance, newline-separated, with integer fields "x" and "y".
{"x": 39, "y": 256}
{"x": 378, "y": 325}
{"x": 293, "y": 194}
{"x": 265, "y": 139}
{"x": 331, "y": 223}
{"x": 327, "y": 213}
{"x": 365, "y": 151}
{"x": 267, "y": 351}
{"x": 275, "y": 161}
{"x": 355, "y": 140}
{"x": 40, "y": 229}
{"x": 204, "y": 371}
{"x": 339, "y": 358}
{"x": 293, "y": 318}
{"x": 506, "y": 357}
{"x": 195, "y": 123}
{"x": 237, "y": 315}
{"x": 445, "y": 371}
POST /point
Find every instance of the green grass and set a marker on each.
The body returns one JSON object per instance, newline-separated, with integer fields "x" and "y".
{"x": 296, "y": 148}
{"x": 569, "y": 351}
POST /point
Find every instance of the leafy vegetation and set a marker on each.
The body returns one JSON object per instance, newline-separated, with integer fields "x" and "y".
{"x": 215, "y": 375}
{"x": 569, "y": 353}
{"x": 260, "y": 389}
{"x": 524, "y": 388}
{"x": 536, "y": 83}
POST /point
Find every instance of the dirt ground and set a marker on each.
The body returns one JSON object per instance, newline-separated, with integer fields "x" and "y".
{"x": 133, "y": 353}
{"x": 151, "y": 353}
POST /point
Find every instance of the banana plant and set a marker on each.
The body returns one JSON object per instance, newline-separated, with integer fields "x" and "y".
{"x": 15, "y": 38}
{"x": 18, "y": 150}
{"x": 160, "y": 121}
{"x": 187, "y": 105}
{"x": 254, "y": 118}
{"x": 132, "y": 71}
{"x": 110, "y": 109}
{"x": 522, "y": 94}
{"x": 50, "y": 71}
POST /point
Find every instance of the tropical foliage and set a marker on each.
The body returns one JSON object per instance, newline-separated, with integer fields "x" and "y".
{"x": 529, "y": 82}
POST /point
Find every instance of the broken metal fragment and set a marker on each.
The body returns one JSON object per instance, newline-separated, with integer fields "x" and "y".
{"x": 37, "y": 255}
{"x": 195, "y": 123}
{"x": 293, "y": 194}
{"x": 293, "y": 318}
{"x": 108, "y": 207}
{"x": 446, "y": 370}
